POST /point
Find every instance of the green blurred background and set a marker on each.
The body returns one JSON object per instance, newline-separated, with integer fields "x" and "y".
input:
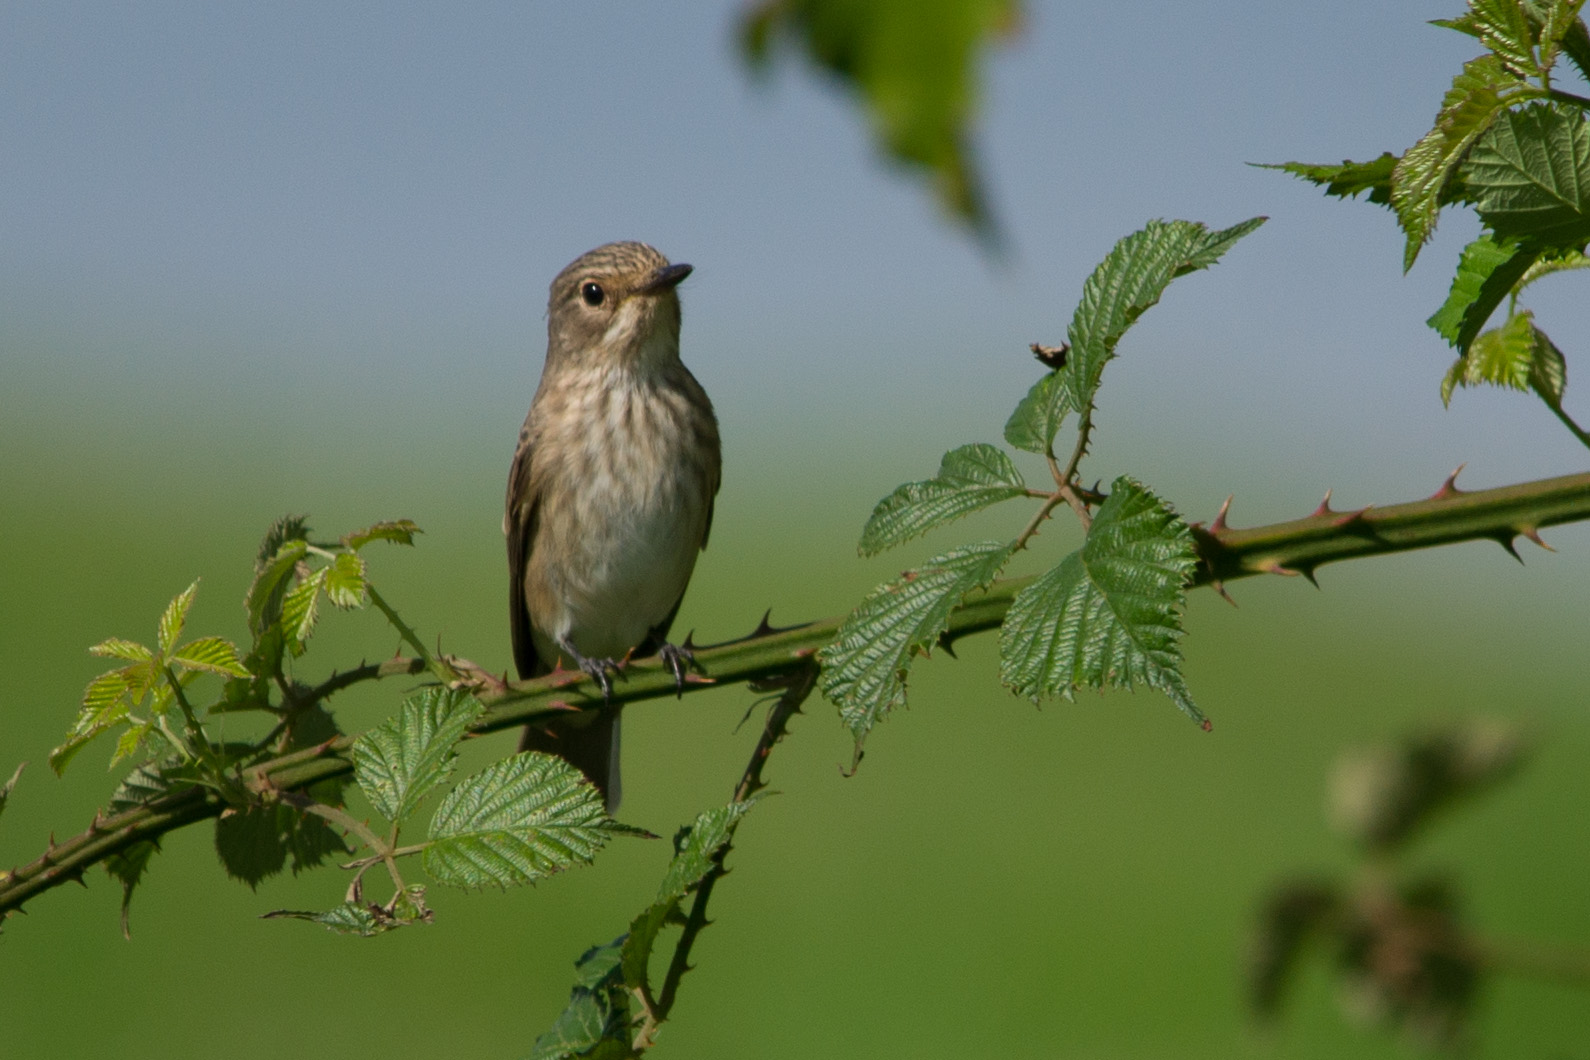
{"x": 294, "y": 261}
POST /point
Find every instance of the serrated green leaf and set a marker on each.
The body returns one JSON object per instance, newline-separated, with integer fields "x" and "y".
{"x": 1418, "y": 184}
{"x": 1487, "y": 272}
{"x": 1529, "y": 176}
{"x": 300, "y": 609}
{"x": 1504, "y": 28}
{"x": 1130, "y": 280}
{"x": 145, "y": 784}
{"x": 696, "y": 848}
{"x": 104, "y": 706}
{"x": 285, "y": 529}
{"x": 970, "y": 478}
{"x": 398, "y": 531}
{"x": 594, "y": 1024}
{"x": 211, "y": 655}
{"x": 865, "y": 668}
{"x": 515, "y": 822}
{"x": 345, "y": 580}
{"x": 116, "y": 647}
{"x": 1349, "y": 179}
{"x": 131, "y": 741}
{"x": 1038, "y": 416}
{"x": 1516, "y": 355}
{"x": 403, "y": 759}
{"x": 1110, "y": 613}
{"x": 912, "y": 63}
{"x": 259, "y": 841}
{"x": 175, "y": 615}
{"x": 264, "y": 598}
{"x": 1561, "y": 18}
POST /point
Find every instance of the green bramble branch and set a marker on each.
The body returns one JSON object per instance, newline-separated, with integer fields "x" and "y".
{"x": 1225, "y": 554}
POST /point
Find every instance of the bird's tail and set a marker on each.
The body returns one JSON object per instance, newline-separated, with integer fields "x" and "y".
{"x": 587, "y": 741}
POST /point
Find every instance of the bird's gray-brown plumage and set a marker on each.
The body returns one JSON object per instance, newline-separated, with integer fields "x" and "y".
{"x": 611, "y": 491}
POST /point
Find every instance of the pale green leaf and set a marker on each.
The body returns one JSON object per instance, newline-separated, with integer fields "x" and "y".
{"x": 176, "y": 614}
{"x": 912, "y": 62}
{"x": 1038, "y": 416}
{"x": 517, "y": 821}
{"x": 1482, "y": 91}
{"x": 211, "y": 655}
{"x": 265, "y": 594}
{"x": 1110, "y": 613}
{"x": 1568, "y": 261}
{"x": 970, "y": 478}
{"x": 865, "y": 668}
{"x": 1487, "y": 272}
{"x": 104, "y": 706}
{"x": 117, "y": 648}
{"x": 1130, "y": 280}
{"x": 398, "y": 531}
{"x": 345, "y": 580}
{"x": 1517, "y": 356}
{"x": 403, "y": 759}
{"x": 300, "y": 609}
{"x": 1530, "y": 176}
{"x": 1505, "y": 29}
{"x": 131, "y": 741}
{"x": 1561, "y": 18}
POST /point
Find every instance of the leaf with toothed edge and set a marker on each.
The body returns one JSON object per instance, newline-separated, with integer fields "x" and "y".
{"x": 1517, "y": 355}
{"x": 1347, "y": 180}
{"x": 518, "y": 821}
{"x": 1110, "y": 613}
{"x": 1530, "y": 176}
{"x": 400, "y": 761}
{"x": 398, "y": 531}
{"x": 865, "y": 667}
{"x": 595, "y": 1021}
{"x": 1487, "y": 271}
{"x": 695, "y": 849}
{"x": 970, "y": 478}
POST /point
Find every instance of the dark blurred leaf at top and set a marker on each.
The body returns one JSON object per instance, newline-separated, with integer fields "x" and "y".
{"x": 913, "y": 63}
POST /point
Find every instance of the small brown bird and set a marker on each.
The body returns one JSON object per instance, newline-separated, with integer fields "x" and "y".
{"x": 611, "y": 492}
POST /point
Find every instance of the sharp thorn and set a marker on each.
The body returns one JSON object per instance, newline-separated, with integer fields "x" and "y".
{"x": 1534, "y": 535}
{"x": 1324, "y": 506}
{"x": 1220, "y": 587}
{"x": 1308, "y": 572}
{"x": 1220, "y": 519}
{"x": 1350, "y": 517}
{"x": 690, "y": 641}
{"x": 1506, "y": 541}
{"x": 947, "y": 644}
{"x": 1449, "y": 487}
{"x": 1206, "y": 725}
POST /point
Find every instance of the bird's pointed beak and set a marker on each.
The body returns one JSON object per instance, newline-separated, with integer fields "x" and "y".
{"x": 664, "y": 279}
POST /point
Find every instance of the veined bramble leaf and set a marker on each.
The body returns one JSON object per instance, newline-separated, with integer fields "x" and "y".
{"x": 105, "y": 703}
{"x": 264, "y": 600}
{"x": 1130, "y": 280}
{"x": 970, "y": 478}
{"x": 1505, "y": 29}
{"x": 1517, "y": 355}
{"x": 1530, "y": 176}
{"x": 211, "y": 655}
{"x": 864, "y": 669}
{"x": 345, "y": 580}
{"x": 300, "y": 609}
{"x": 1038, "y": 416}
{"x": 517, "y": 821}
{"x": 398, "y": 531}
{"x": 175, "y": 615}
{"x": 594, "y": 1024}
{"x": 1418, "y": 185}
{"x": 1110, "y": 613}
{"x": 1487, "y": 272}
{"x": 117, "y": 648}
{"x": 695, "y": 848}
{"x": 403, "y": 759}
{"x": 1347, "y": 180}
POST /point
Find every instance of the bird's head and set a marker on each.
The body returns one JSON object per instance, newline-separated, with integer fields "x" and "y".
{"x": 616, "y": 303}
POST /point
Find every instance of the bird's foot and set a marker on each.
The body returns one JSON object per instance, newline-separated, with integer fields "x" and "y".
{"x": 597, "y": 669}
{"x": 679, "y": 659}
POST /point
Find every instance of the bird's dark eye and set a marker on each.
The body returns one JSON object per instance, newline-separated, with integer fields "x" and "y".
{"x": 592, "y": 293}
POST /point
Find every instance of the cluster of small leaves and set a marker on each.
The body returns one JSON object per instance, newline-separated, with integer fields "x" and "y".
{"x": 598, "y": 1020}
{"x": 514, "y": 822}
{"x": 1395, "y": 937}
{"x": 1109, "y": 613}
{"x": 1515, "y": 148}
{"x": 913, "y": 62}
